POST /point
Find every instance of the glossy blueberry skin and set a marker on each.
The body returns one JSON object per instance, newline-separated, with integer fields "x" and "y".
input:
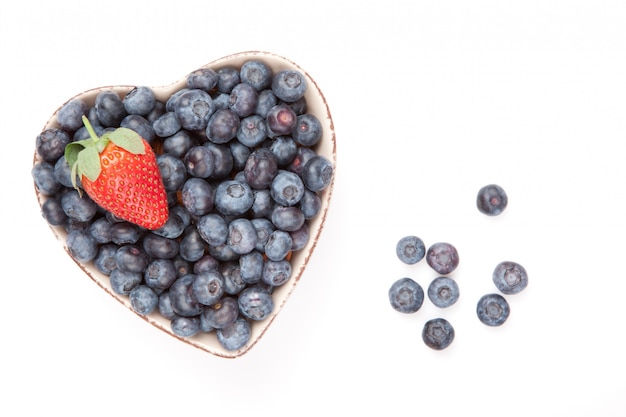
{"x": 81, "y": 245}
{"x": 50, "y": 144}
{"x": 223, "y": 126}
{"x": 235, "y": 335}
{"x": 160, "y": 274}
{"x": 252, "y": 130}
{"x": 183, "y": 303}
{"x": 317, "y": 173}
{"x": 203, "y": 78}
{"x": 287, "y": 188}
{"x": 224, "y": 161}
{"x": 410, "y": 249}
{"x": 492, "y": 200}
{"x": 109, "y": 108}
{"x": 160, "y": 247}
{"x": 308, "y": 130}
{"x": 281, "y": 120}
{"x": 443, "y": 292}
{"x": 406, "y": 296}
{"x": 251, "y": 267}
{"x": 213, "y": 229}
{"x": 284, "y": 149}
{"x": 243, "y": 100}
{"x": 493, "y": 310}
{"x": 242, "y": 236}
{"x": 166, "y": 125}
{"x": 510, "y": 277}
{"x": 207, "y": 287}
{"x": 233, "y": 283}
{"x": 261, "y": 168}
{"x": 228, "y": 77}
{"x": 221, "y": 314}
{"x": 105, "y": 260}
{"x": 140, "y": 125}
{"x": 438, "y": 333}
{"x": 257, "y": 74}
{"x": 70, "y": 115}
{"x": 278, "y": 245}
{"x": 289, "y": 85}
{"x": 179, "y": 143}
{"x": 185, "y": 326}
{"x": 143, "y": 300}
{"x": 44, "y": 179}
{"x": 276, "y": 273}
{"x": 173, "y": 171}
{"x": 140, "y": 101}
{"x": 198, "y": 196}
{"x": 256, "y": 303}
{"x": 131, "y": 258}
{"x": 100, "y": 229}
{"x": 193, "y": 109}
{"x": 199, "y": 161}
{"x": 123, "y": 282}
{"x": 233, "y": 197}
{"x": 192, "y": 246}
{"x": 442, "y": 257}
{"x": 288, "y": 218}
{"x": 78, "y": 207}
{"x": 123, "y": 233}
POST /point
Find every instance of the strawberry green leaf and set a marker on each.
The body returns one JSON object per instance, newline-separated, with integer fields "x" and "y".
{"x": 88, "y": 163}
{"x": 71, "y": 153}
{"x": 127, "y": 139}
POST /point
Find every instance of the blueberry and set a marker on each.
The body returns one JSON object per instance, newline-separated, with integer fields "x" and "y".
{"x": 52, "y": 211}
{"x": 310, "y": 204}
{"x": 288, "y": 218}
{"x": 266, "y": 100}
{"x": 140, "y": 100}
{"x": 63, "y": 173}
{"x": 242, "y": 237}
{"x": 143, "y": 300}
{"x": 442, "y": 257}
{"x": 264, "y": 227}
{"x": 276, "y": 273}
{"x": 206, "y": 263}
{"x": 100, "y": 229}
{"x": 192, "y": 246}
{"x": 185, "y": 326}
{"x": 256, "y": 73}
{"x": 281, "y": 120}
{"x": 223, "y": 253}
{"x": 233, "y": 197}
{"x": 203, "y": 78}
{"x": 207, "y": 287}
{"x": 438, "y": 333}
{"x": 233, "y": 283}
{"x": 263, "y": 203}
{"x": 183, "y": 303}
{"x": 193, "y": 109}
{"x": 256, "y": 303}
{"x": 160, "y": 247}
{"x": 166, "y": 125}
{"x": 443, "y": 292}
{"x": 252, "y": 130}
{"x": 105, "y": 260}
{"x": 131, "y": 258}
{"x": 510, "y": 277}
{"x": 81, "y": 245}
{"x": 179, "y": 143}
{"x": 228, "y": 77}
{"x": 156, "y": 112}
{"x": 213, "y": 229}
{"x": 198, "y": 196}
{"x": 70, "y": 115}
{"x": 493, "y": 309}
{"x": 173, "y": 227}
{"x": 221, "y": 314}
{"x": 235, "y": 335}
{"x": 240, "y": 153}
{"x": 251, "y": 267}
{"x": 278, "y": 245}
{"x": 44, "y": 179}
{"x": 109, "y": 108}
{"x": 289, "y": 85}
{"x": 284, "y": 149}
{"x": 300, "y": 237}
{"x": 406, "y": 296}
{"x": 123, "y": 233}
{"x": 173, "y": 171}
{"x": 243, "y": 100}
{"x": 79, "y": 207}
{"x": 224, "y": 161}
{"x": 223, "y": 126}
{"x": 308, "y": 130}
{"x": 140, "y": 125}
{"x": 199, "y": 161}
{"x": 491, "y": 200}
{"x": 317, "y": 173}
{"x": 165, "y": 306}
{"x": 160, "y": 274}
{"x": 123, "y": 282}
{"x": 261, "y": 168}
{"x": 410, "y": 249}
{"x": 287, "y": 188}
{"x": 303, "y": 155}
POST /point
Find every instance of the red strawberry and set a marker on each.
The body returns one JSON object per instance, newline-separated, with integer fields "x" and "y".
{"x": 119, "y": 172}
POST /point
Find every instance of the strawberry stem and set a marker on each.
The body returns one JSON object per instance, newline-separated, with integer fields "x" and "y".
{"x": 92, "y": 133}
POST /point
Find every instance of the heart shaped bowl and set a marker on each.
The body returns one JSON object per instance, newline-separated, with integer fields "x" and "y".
{"x": 316, "y": 104}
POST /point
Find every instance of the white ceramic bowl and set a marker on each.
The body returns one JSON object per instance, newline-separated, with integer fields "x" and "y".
{"x": 317, "y": 105}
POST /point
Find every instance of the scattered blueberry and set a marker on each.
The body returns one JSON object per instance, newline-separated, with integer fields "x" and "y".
{"x": 438, "y": 333}
{"x": 442, "y": 257}
{"x": 406, "y": 296}
{"x": 491, "y": 200}
{"x": 492, "y": 309}
{"x": 443, "y": 292}
{"x": 410, "y": 249}
{"x": 510, "y": 277}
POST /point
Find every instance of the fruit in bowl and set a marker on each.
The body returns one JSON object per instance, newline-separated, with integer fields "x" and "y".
{"x": 198, "y": 204}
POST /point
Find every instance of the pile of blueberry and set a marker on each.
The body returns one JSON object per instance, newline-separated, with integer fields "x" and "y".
{"x": 236, "y": 151}
{"x": 407, "y": 296}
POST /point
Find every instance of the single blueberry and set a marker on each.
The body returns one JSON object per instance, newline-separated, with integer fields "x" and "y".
{"x": 242, "y": 236}
{"x": 222, "y": 126}
{"x": 261, "y": 168}
{"x": 233, "y": 197}
{"x": 173, "y": 171}
{"x": 443, "y": 292}
{"x": 160, "y": 274}
{"x": 81, "y": 245}
{"x": 493, "y": 309}
{"x": 510, "y": 277}
{"x": 109, "y": 108}
{"x": 228, "y": 77}
{"x": 123, "y": 233}
{"x": 206, "y": 263}
{"x": 406, "y": 296}
{"x": 308, "y": 130}
{"x": 276, "y": 273}
{"x": 240, "y": 153}
{"x": 491, "y": 200}
{"x": 183, "y": 303}
{"x": 213, "y": 229}
{"x": 410, "y": 249}
{"x": 192, "y": 246}
{"x": 252, "y": 130}
{"x": 278, "y": 245}
{"x": 143, "y": 300}
{"x": 179, "y": 143}
{"x": 251, "y": 267}
{"x": 221, "y": 314}
{"x": 100, "y": 229}
{"x": 438, "y": 333}
{"x": 224, "y": 161}
{"x": 193, "y": 109}
{"x": 310, "y": 204}
{"x": 256, "y": 303}
{"x": 140, "y": 100}
{"x": 105, "y": 260}
{"x": 44, "y": 179}
{"x": 256, "y": 73}
{"x": 140, "y": 125}
{"x": 233, "y": 282}
{"x": 70, "y": 115}
{"x": 207, "y": 287}
{"x": 130, "y": 258}
{"x": 287, "y": 188}
{"x": 52, "y": 211}
{"x": 123, "y": 282}
{"x": 203, "y": 78}
{"x": 289, "y": 85}
{"x": 300, "y": 237}
{"x": 198, "y": 196}
{"x": 284, "y": 149}
{"x": 287, "y": 218}
{"x": 442, "y": 257}
{"x": 264, "y": 227}
{"x": 243, "y": 100}
{"x": 235, "y": 335}
{"x": 266, "y": 100}
{"x": 165, "y": 306}
{"x": 160, "y": 247}
{"x": 185, "y": 326}
{"x": 317, "y": 173}
{"x": 199, "y": 161}
{"x": 78, "y": 206}
{"x": 63, "y": 173}
{"x": 281, "y": 120}
{"x": 166, "y": 124}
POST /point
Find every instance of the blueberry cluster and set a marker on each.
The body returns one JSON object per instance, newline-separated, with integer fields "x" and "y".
{"x": 236, "y": 149}
{"x": 407, "y": 296}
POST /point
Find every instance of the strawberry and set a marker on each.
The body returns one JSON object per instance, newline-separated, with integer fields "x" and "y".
{"x": 119, "y": 172}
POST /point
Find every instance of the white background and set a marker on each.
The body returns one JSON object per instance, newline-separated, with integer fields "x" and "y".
{"x": 430, "y": 100}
